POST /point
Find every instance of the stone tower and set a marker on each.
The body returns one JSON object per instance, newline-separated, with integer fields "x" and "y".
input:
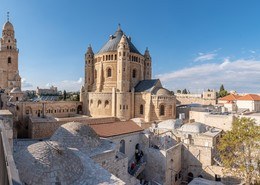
{"x": 123, "y": 81}
{"x": 9, "y": 74}
{"x": 147, "y": 65}
{"x": 89, "y": 73}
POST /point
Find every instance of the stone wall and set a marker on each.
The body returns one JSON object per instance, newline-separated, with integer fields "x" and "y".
{"x": 117, "y": 164}
{"x": 8, "y": 172}
{"x": 156, "y": 165}
{"x": 45, "y": 127}
{"x": 223, "y": 122}
{"x": 191, "y": 100}
{"x": 173, "y": 165}
{"x": 131, "y": 140}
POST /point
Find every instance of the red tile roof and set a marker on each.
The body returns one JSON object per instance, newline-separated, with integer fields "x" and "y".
{"x": 116, "y": 128}
{"x": 253, "y": 97}
{"x": 230, "y": 97}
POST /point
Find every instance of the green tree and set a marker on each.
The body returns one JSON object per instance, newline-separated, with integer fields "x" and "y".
{"x": 184, "y": 91}
{"x": 222, "y": 92}
{"x": 178, "y": 91}
{"x": 239, "y": 150}
{"x": 64, "y": 95}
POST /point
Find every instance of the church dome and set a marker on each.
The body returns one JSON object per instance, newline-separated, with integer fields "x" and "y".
{"x": 162, "y": 92}
{"x": 195, "y": 127}
{"x": 8, "y": 26}
{"x": 113, "y": 42}
{"x": 76, "y": 135}
{"x": 48, "y": 162}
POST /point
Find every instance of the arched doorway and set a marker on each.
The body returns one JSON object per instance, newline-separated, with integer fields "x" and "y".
{"x": 137, "y": 146}
{"x": 190, "y": 177}
{"x": 122, "y": 146}
{"x": 79, "y": 109}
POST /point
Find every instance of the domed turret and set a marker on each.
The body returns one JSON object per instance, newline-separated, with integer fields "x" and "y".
{"x": 163, "y": 92}
{"x": 8, "y": 26}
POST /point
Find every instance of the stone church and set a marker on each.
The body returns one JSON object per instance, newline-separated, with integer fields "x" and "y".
{"x": 118, "y": 83}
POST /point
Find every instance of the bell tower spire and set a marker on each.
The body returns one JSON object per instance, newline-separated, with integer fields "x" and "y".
{"x": 9, "y": 58}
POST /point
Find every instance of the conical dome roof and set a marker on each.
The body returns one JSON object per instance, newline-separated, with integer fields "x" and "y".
{"x": 8, "y": 26}
{"x": 113, "y": 42}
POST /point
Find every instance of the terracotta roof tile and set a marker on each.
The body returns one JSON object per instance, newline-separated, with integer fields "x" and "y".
{"x": 230, "y": 97}
{"x": 253, "y": 97}
{"x": 116, "y": 128}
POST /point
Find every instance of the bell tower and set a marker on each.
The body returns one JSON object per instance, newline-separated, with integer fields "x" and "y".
{"x": 89, "y": 68}
{"x": 147, "y": 65}
{"x": 9, "y": 74}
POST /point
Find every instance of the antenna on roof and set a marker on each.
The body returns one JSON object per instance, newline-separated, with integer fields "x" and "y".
{"x": 7, "y": 16}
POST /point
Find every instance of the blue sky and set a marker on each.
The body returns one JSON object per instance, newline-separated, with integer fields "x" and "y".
{"x": 194, "y": 44}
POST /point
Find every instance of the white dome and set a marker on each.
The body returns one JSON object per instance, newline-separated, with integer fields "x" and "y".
{"x": 195, "y": 127}
{"x": 170, "y": 124}
{"x": 163, "y": 92}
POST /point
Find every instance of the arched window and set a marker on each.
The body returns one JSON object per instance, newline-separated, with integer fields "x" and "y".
{"x": 141, "y": 109}
{"x": 115, "y": 57}
{"x": 162, "y": 109}
{"x": 134, "y": 73}
{"x": 109, "y": 72}
{"x": 99, "y": 103}
{"x": 122, "y": 146}
{"x": 112, "y": 57}
{"x": 9, "y": 60}
{"x": 106, "y": 103}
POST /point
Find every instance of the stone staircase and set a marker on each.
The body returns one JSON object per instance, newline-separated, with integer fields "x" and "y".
{"x": 139, "y": 168}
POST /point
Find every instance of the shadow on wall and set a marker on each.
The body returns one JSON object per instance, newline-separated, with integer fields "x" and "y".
{"x": 192, "y": 168}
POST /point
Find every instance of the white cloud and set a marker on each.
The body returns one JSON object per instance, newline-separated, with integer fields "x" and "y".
{"x": 68, "y": 85}
{"x": 26, "y": 85}
{"x": 205, "y": 57}
{"x": 241, "y": 75}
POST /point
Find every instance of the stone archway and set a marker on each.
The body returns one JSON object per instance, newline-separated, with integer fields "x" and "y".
{"x": 79, "y": 109}
{"x": 190, "y": 177}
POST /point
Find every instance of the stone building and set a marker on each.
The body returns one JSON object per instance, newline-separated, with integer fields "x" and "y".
{"x": 75, "y": 154}
{"x": 205, "y": 98}
{"x": 9, "y": 74}
{"x": 43, "y": 92}
{"x": 118, "y": 83}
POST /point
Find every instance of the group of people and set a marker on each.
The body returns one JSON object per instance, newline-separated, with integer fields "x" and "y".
{"x": 138, "y": 159}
